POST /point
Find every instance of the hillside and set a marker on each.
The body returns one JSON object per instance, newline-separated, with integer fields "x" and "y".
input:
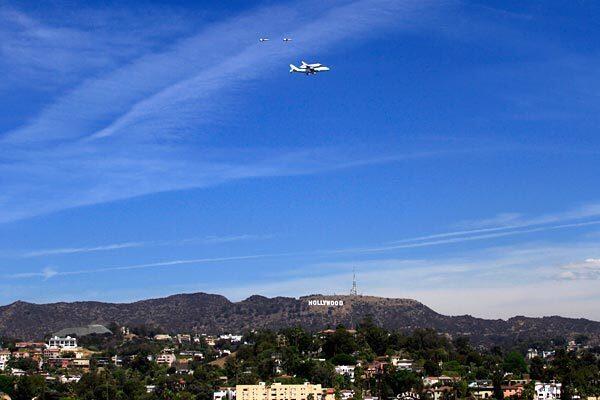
{"x": 209, "y": 313}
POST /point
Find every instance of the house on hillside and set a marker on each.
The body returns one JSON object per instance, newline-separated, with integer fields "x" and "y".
{"x": 166, "y": 357}
{"x": 224, "y": 393}
{"x": 4, "y": 357}
{"x": 345, "y": 370}
{"x": 63, "y": 343}
{"x": 547, "y": 391}
{"x": 402, "y": 363}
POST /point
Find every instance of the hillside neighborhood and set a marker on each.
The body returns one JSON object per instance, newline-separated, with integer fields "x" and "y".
{"x": 366, "y": 362}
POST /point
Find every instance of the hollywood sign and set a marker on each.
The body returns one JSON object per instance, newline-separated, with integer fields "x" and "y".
{"x": 329, "y": 303}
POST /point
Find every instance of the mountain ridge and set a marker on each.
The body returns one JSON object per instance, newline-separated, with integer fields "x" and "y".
{"x": 215, "y": 313}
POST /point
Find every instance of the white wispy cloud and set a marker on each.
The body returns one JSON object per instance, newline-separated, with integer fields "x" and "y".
{"x": 417, "y": 242}
{"x": 139, "y": 128}
{"x": 208, "y": 240}
{"x": 45, "y": 54}
{"x": 171, "y": 263}
{"x": 75, "y": 250}
{"x": 467, "y": 236}
{"x": 234, "y": 238}
{"x": 588, "y": 269}
{"x": 46, "y": 273}
{"x": 516, "y": 220}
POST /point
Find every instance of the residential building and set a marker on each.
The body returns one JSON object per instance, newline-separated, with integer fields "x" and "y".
{"x": 375, "y": 368}
{"x": 80, "y": 362}
{"x": 69, "y": 379}
{"x": 278, "y": 391}
{"x": 346, "y": 394}
{"x": 531, "y": 354}
{"x": 4, "y": 357}
{"x": 65, "y": 343}
{"x": 192, "y": 354}
{"x": 512, "y": 391}
{"x": 210, "y": 340}
{"x": 225, "y": 393}
{"x": 30, "y": 345}
{"x": 230, "y": 337}
{"x": 166, "y": 357}
{"x": 440, "y": 393}
{"x": 347, "y": 370}
{"x": 17, "y": 372}
{"x": 184, "y": 337}
{"x": 51, "y": 353}
{"x": 401, "y": 363}
{"x": 482, "y": 392}
{"x": 441, "y": 380}
{"x": 545, "y": 391}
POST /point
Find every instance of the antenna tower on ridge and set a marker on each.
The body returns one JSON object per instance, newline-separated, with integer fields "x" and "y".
{"x": 354, "y": 290}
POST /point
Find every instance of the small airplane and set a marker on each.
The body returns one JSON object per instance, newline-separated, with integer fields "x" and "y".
{"x": 308, "y": 69}
{"x": 263, "y": 39}
{"x": 287, "y": 39}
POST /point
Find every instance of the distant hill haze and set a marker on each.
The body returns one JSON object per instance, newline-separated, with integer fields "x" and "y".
{"x": 212, "y": 314}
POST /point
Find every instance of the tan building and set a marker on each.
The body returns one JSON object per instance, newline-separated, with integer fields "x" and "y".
{"x": 278, "y": 391}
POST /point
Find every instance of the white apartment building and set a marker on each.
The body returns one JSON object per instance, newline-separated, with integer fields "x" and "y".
{"x": 67, "y": 343}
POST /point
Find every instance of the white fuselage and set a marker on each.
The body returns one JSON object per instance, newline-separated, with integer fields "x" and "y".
{"x": 308, "y": 69}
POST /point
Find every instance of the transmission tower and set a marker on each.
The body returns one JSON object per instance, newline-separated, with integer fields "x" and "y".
{"x": 354, "y": 290}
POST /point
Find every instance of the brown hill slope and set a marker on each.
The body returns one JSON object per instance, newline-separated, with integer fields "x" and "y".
{"x": 209, "y": 313}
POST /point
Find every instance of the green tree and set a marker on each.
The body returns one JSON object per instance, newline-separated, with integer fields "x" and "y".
{"x": 528, "y": 391}
{"x": 340, "y": 342}
{"x": 431, "y": 368}
{"x": 497, "y": 377}
{"x": 374, "y": 336}
{"x": 28, "y": 387}
{"x": 514, "y": 362}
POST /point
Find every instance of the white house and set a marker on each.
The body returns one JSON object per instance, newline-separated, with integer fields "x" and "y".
{"x": 532, "y": 353}
{"x": 442, "y": 380}
{"x": 545, "y": 391}
{"x": 224, "y": 394}
{"x": 347, "y": 370}
{"x": 166, "y": 357}
{"x": 4, "y": 357}
{"x": 402, "y": 363}
{"x": 230, "y": 337}
{"x": 62, "y": 342}
{"x": 69, "y": 379}
{"x": 347, "y": 394}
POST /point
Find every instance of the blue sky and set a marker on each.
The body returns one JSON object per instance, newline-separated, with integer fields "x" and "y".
{"x": 450, "y": 155}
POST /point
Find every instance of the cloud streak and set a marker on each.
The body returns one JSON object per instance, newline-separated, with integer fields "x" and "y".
{"x": 588, "y": 269}
{"x": 208, "y": 240}
{"x": 417, "y": 242}
{"x": 468, "y": 237}
{"x": 140, "y": 128}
